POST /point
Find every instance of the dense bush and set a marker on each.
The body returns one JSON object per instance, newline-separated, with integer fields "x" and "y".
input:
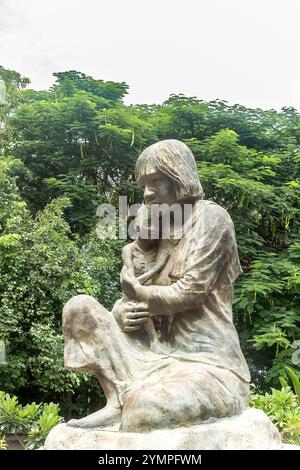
{"x": 283, "y": 409}
{"x": 30, "y": 424}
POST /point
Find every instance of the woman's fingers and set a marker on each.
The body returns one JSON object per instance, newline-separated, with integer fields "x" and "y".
{"x": 132, "y": 328}
{"x": 137, "y": 315}
{"x": 138, "y": 321}
{"x": 135, "y": 320}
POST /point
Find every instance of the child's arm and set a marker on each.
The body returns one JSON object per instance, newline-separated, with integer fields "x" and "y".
{"x": 127, "y": 257}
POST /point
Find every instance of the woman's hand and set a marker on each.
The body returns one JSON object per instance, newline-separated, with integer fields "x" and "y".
{"x": 130, "y": 315}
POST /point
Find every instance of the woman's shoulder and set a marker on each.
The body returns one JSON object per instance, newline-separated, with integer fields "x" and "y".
{"x": 211, "y": 212}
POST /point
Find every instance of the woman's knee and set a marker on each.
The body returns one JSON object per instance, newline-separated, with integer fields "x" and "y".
{"x": 80, "y": 303}
{"x": 83, "y": 310}
{"x": 173, "y": 404}
{"x": 155, "y": 408}
{"x": 141, "y": 411}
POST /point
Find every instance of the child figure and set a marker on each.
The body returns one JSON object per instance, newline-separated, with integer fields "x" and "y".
{"x": 139, "y": 257}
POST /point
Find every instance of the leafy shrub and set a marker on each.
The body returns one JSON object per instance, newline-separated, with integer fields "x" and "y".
{"x": 283, "y": 408}
{"x": 295, "y": 381}
{"x": 2, "y": 444}
{"x": 33, "y": 420}
{"x": 48, "y": 418}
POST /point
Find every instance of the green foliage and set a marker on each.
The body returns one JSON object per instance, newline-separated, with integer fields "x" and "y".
{"x": 47, "y": 419}
{"x": 41, "y": 267}
{"x": 13, "y": 417}
{"x": 3, "y": 444}
{"x": 295, "y": 381}
{"x": 14, "y": 84}
{"x": 78, "y": 139}
{"x": 33, "y": 420}
{"x": 283, "y": 409}
{"x": 74, "y": 146}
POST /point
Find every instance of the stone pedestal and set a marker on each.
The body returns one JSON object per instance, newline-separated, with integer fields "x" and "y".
{"x": 250, "y": 430}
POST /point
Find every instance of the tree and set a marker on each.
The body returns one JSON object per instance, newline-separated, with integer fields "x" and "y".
{"x": 78, "y": 140}
{"x": 41, "y": 267}
{"x": 75, "y": 146}
{"x": 13, "y": 84}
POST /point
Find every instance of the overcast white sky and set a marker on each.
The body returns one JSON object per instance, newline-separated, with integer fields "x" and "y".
{"x": 243, "y": 51}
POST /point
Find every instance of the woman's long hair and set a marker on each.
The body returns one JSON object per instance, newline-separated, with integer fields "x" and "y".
{"x": 175, "y": 160}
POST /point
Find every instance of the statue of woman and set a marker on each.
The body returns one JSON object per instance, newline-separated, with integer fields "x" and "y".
{"x": 199, "y": 373}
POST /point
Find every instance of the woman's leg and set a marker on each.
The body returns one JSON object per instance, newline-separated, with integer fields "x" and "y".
{"x": 95, "y": 344}
{"x": 184, "y": 398}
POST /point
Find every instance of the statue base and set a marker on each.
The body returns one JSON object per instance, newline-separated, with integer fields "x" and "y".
{"x": 251, "y": 430}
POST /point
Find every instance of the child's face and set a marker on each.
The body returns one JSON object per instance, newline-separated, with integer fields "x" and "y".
{"x": 147, "y": 229}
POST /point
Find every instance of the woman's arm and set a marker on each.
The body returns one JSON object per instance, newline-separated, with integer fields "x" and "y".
{"x": 214, "y": 256}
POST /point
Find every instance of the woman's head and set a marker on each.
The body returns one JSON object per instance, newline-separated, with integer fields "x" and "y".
{"x": 174, "y": 160}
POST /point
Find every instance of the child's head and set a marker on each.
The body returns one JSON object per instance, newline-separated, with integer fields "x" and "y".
{"x": 147, "y": 230}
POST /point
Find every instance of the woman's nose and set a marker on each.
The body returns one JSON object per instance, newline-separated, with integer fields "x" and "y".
{"x": 149, "y": 194}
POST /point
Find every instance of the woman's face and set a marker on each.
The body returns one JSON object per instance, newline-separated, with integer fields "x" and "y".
{"x": 158, "y": 188}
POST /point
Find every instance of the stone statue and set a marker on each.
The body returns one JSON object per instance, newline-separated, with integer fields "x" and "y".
{"x": 168, "y": 354}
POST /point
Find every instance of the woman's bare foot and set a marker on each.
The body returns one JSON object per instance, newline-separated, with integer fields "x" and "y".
{"x": 107, "y": 416}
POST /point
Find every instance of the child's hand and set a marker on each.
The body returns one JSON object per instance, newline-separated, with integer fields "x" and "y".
{"x": 129, "y": 283}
